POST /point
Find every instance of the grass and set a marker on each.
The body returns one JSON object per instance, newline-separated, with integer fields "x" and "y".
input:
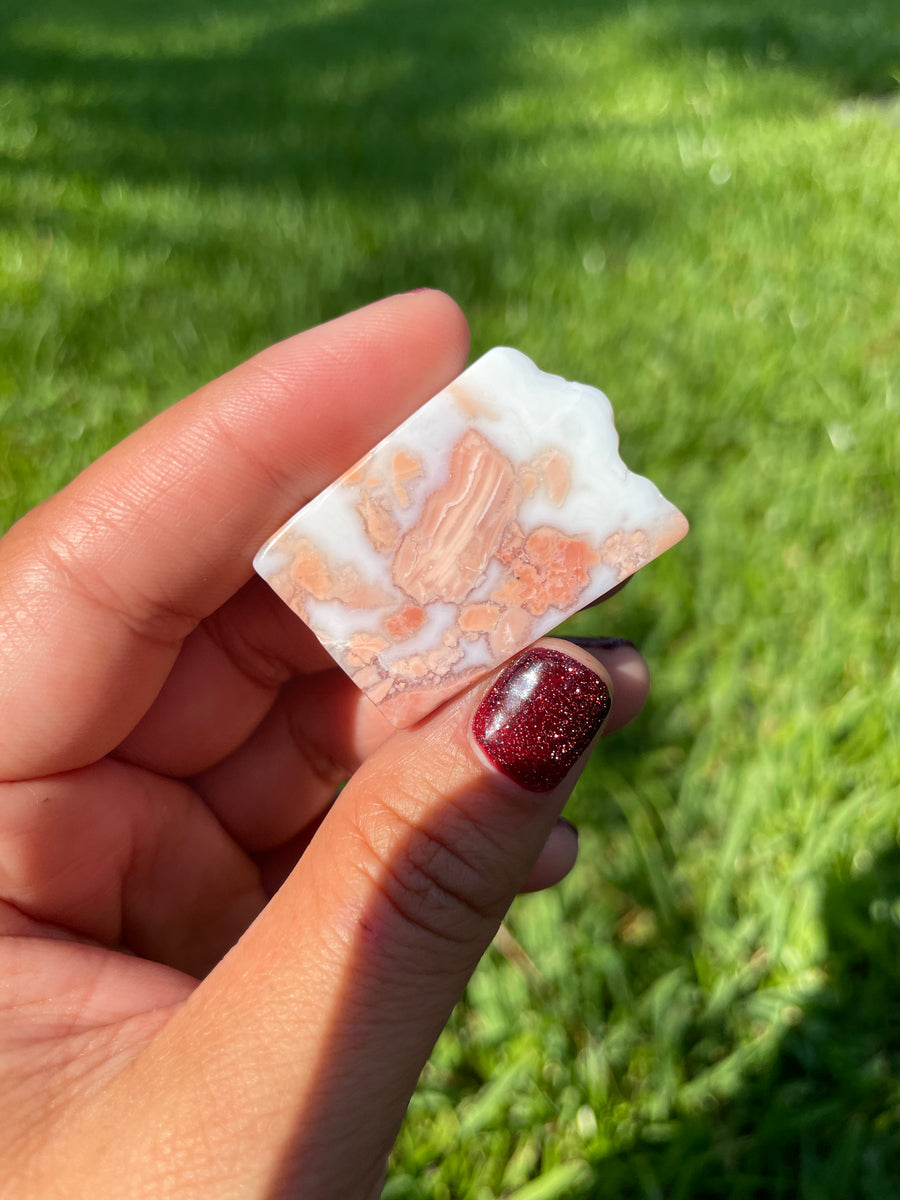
{"x": 694, "y": 205}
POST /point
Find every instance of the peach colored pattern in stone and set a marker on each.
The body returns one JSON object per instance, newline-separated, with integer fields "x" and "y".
{"x": 497, "y": 510}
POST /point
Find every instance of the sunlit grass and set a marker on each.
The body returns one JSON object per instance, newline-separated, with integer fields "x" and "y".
{"x": 695, "y": 206}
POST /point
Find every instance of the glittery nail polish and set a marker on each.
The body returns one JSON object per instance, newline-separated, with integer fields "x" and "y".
{"x": 540, "y": 717}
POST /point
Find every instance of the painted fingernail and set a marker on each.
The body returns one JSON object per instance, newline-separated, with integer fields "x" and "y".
{"x": 571, "y": 830}
{"x": 601, "y": 643}
{"x": 540, "y": 716}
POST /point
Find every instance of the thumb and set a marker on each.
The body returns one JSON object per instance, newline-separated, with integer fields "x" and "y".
{"x": 289, "y": 1069}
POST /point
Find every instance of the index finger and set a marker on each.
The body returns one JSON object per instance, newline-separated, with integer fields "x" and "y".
{"x": 100, "y": 585}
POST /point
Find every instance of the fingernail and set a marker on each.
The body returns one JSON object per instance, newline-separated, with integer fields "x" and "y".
{"x": 540, "y": 717}
{"x": 601, "y": 643}
{"x": 568, "y": 826}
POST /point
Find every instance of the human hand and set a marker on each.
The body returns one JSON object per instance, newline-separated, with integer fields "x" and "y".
{"x": 198, "y": 997}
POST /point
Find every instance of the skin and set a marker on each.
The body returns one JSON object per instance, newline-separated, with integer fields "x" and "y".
{"x": 198, "y": 997}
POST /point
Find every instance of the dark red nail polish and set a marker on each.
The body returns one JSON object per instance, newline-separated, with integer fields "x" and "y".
{"x": 540, "y": 716}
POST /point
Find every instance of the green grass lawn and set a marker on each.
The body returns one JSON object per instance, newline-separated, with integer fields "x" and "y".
{"x": 696, "y": 206}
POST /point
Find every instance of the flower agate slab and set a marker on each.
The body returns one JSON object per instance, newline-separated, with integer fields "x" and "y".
{"x": 495, "y": 511}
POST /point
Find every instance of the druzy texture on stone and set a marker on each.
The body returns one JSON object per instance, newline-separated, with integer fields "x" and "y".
{"x": 490, "y": 515}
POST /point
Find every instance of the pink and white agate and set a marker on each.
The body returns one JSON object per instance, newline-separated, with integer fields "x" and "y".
{"x": 493, "y": 513}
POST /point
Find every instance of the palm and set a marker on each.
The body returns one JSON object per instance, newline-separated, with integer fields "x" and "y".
{"x": 159, "y": 855}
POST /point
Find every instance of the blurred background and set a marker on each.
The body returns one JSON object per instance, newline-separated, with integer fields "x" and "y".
{"x": 694, "y": 205}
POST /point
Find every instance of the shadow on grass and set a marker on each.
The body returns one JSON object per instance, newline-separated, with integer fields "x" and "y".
{"x": 822, "y": 1120}
{"x": 341, "y": 97}
{"x": 345, "y": 95}
{"x": 349, "y": 98}
{"x": 330, "y": 103}
{"x": 856, "y": 48}
{"x": 329, "y": 113}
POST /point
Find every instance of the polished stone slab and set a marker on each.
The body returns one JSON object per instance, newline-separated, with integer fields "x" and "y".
{"x": 494, "y": 512}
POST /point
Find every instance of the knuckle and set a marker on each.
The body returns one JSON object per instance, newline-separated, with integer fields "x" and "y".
{"x": 71, "y": 561}
{"x": 439, "y": 870}
{"x": 230, "y": 634}
{"x": 324, "y": 769}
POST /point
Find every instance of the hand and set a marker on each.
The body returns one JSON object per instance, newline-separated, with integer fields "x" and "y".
{"x": 198, "y": 997}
